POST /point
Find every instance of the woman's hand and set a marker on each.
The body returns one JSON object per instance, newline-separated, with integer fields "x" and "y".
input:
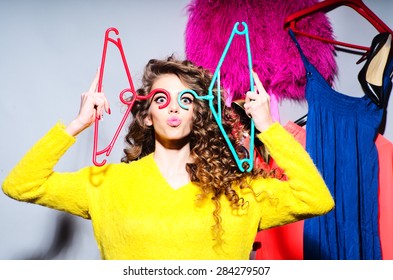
{"x": 257, "y": 105}
{"x": 92, "y": 104}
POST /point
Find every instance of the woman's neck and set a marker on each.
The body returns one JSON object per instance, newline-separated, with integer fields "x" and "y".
{"x": 172, "y": 164}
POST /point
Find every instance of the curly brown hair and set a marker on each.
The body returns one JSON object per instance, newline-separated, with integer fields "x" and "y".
{"x": 214, "y": 168}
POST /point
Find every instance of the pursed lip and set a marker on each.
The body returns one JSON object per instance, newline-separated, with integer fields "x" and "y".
{"x": 173, "y": 121}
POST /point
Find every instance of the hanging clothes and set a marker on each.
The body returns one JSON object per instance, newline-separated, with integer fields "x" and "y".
{"x": 385, "y": 157}
{"x": 283, "y": 242}
{"x": 210, "y": 23}
{"x": 286, "y": 242}
{"x": 340, "y": 138}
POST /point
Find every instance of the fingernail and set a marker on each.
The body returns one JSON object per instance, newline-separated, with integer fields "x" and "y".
{"x": 109, "y": 111}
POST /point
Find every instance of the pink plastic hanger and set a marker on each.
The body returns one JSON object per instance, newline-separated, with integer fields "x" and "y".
{"x": 127, "y": 101}
{"x": 328, "y": 5}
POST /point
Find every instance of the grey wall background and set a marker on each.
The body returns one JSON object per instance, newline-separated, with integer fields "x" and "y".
{"x": 49, "y": 52}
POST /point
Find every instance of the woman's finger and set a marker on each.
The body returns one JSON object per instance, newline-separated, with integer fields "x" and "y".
{"x": 94, "y": 84}
{"x": 106, "y": 102}
{"x": 251, "y": 96}
{"x": 258, "y": 83}
{"x": 102, "y": 102}
{"x": 98, "y": 104}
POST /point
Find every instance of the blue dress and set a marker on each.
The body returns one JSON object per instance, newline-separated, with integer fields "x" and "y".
{"x": 340, "y": 136}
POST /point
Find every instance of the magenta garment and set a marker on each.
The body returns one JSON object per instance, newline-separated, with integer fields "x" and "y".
{"x": 275, "y": 57}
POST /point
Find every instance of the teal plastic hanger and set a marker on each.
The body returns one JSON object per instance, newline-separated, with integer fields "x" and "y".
{"x": 217, "y": 112}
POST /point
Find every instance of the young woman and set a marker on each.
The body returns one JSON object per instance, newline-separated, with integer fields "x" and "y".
{"x": 178, "y": 193}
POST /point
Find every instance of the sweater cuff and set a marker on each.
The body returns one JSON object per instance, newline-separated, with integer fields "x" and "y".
{"x": 58, "y": 139}
{"x": 277, "y": 139}
{"x": 60, "y": 129}
{"x": 275, "y": 129}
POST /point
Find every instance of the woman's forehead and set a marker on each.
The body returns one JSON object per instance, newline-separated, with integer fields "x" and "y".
{"x": 170, "y": 82}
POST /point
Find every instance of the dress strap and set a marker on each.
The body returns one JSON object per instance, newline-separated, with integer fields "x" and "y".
{"x": 306, "y": 63}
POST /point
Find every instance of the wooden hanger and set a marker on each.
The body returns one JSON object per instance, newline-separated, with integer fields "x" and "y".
{"x": 328, "y": 5}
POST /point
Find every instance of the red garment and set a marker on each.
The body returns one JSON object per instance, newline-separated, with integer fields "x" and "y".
{"x": 385, "y": 160}
{"x": 286, "y": 242}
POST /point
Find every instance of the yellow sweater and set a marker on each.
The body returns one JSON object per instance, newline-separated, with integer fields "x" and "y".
{"x": 137, "y": 215}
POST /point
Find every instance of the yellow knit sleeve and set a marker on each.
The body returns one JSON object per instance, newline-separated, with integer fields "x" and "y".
{"x": 34, "y": 180}
{"x": 303, "y": 195}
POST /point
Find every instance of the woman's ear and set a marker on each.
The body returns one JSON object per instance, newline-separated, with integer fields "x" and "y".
{"x": 148, "y": 121}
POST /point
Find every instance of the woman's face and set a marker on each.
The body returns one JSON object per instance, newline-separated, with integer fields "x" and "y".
{"x": 171, "y": 123}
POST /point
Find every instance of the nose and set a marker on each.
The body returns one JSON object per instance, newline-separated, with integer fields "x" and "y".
{"x": 173, "y": 106}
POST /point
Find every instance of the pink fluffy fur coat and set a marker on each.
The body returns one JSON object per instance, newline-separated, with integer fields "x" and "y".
{"x": 274, "y": 54}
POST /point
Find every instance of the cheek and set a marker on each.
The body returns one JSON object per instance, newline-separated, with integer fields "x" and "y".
{"x": 155, "y": 113}
{"x": 190, "y": 114}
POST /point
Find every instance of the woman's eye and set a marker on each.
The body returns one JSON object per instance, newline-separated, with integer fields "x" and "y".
{"x": 161, "y": 99}
{"x": 186, "y": 100}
